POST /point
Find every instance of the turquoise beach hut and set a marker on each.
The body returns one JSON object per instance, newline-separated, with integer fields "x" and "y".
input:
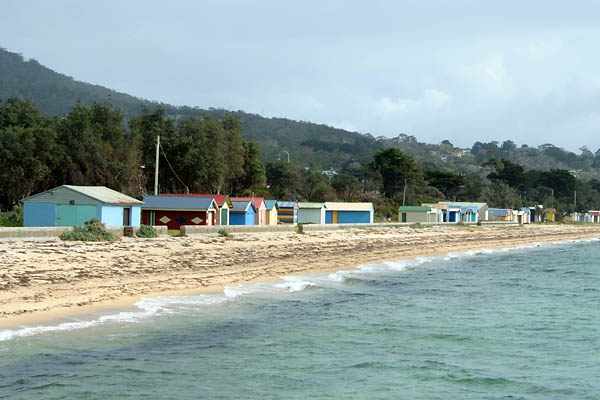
{"x": 69, "y": 205}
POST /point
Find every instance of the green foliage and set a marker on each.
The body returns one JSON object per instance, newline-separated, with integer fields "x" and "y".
{"x": 395, "y": 169}
{"x": 223, "y": 233}
{"x": 92, "y": 231}
{"x": 346, "y": 186}
{"x": 147, "y": 231}
{"x": 12, "y": 218}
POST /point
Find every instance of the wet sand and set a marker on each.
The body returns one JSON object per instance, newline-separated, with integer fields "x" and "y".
{"x": 41, "y": 281}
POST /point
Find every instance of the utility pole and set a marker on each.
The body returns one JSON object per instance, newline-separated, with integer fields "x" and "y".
{"x": 156, "y": 170}
{"x": 575, "y": 200}
{"x": 404, "y": 195}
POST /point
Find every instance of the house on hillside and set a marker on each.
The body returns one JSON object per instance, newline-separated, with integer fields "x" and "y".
{"x": 177, "y": 210}
{"x": 242, "y": 213}
{"x": 287, "y": 212}
{"x": 259, "y": 207}
{"x": 311, "y": 213}
{"x": 222, "y": 201}
{"x": 348, "y": 213}
{"x": 69, "y": 205}
{"x": 271, "y": 212}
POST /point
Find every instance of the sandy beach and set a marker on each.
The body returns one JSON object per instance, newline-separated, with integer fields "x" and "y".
{"x": 41, "y": 281}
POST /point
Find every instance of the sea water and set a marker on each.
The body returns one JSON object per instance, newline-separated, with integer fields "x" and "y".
{"x": 521, "y": 323}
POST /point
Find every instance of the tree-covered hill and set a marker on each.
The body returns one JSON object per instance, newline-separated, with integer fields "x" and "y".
{"x": 309, "y": 144}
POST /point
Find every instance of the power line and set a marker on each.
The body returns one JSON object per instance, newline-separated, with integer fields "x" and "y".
{"x": 172, "y": 170}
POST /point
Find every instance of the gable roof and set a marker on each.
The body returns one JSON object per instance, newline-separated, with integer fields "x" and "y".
{"x": 219, "y": 198}
{"x": 241, "y": 206}
{"x": 101, "y": 194}
{"x": 182, "y": 203}
{"x": 339, "y": 206}
{"x": 256, "y": 201}
{"x": 270, "y": 204}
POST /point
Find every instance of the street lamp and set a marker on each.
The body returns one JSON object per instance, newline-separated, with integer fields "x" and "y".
{"x": 279, "y": 155}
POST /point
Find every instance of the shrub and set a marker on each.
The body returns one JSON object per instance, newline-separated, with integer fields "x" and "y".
{"x": 223, "y": 233}
{"x": 92, "y": 231}
{"x": 417, "y": 225}
{"x": 12, "y": 218}
{"x": 146, "y": 231}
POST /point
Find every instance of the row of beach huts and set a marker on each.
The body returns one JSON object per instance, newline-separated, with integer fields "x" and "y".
{"x": 69, "y": 205}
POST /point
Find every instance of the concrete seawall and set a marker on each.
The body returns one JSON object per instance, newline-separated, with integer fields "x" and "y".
{"x": 44, "y": 233}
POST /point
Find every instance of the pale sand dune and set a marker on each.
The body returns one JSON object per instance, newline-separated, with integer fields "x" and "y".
{"x": 43, "y": 280}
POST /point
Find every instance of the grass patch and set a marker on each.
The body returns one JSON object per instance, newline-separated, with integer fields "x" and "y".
{"x": 92, "y": 231}
{"x": 417, "y": 225}
{"x": 174, "y": 232}
{"x": 146, "y": 231}
{"x": 223, "y": 233}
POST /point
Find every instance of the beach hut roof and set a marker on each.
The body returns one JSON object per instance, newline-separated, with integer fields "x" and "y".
{"x": 270, "y": 204}
{"x": 436, "y": 205}
{"x": 339, "y": 206}
{"x": 256, "y": 201}
{"x": 464, "y": 204}
{"x": 287, "y": 204}
{"x": 220, "y": 199}
{"x": 241, "y": 206}
{"x": 181, "y": 203}
{"x": 101, "y": 194}
{"x": 499, "y": 212}
{"x": 414, "y": 209}
{"x": 310, "y": 205}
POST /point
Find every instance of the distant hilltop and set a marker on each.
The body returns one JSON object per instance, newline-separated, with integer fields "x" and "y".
{"x": 308, "y": 144}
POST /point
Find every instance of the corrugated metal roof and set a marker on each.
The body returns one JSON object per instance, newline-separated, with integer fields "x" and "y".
{"x": 464, "y": 204}
{"x": 310, "y": 205}
{"x": 338, "y": 206}
{"x": 256, "y": 201}
{"x": 414, "y": 208}
{"x": 195, "y": 203}
{"x": 104, "y": 194}
{"x": 436, "y": 205}
{"x": 219, "y": 198}
{"x": 270, "y": 204}
{"x": 287, "y": 204}
{"x": 240, "y": 206}
{"x": 499, "y": 212}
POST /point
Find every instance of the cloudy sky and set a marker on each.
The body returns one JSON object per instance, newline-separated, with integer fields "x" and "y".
{"x": 467, "y": 71}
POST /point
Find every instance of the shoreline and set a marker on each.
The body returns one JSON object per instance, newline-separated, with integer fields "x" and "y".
{"x": 361, "y": 246}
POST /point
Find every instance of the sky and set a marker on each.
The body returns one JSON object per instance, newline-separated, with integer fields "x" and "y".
{"x": 464, "y": 71}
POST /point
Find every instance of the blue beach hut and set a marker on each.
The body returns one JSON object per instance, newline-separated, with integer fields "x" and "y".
{"x": 69, "y": 205}
{"x": 242, "y": 213}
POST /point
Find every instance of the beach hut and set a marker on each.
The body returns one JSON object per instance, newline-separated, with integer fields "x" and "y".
{"x": 550, "y": 215}
{"x": 594, "y": 216}
{"x": 417, "y": 214}
{"x": 440, "y": 210}
{"x": 501, "y": 214}
{"x": 311, "y": 213}
{"x": 348, "y": 213}
{"x": 69, "y": 205}
{"x": 176, "y": 210}
{"x": 287, "y": 212}
{"x": 242, "y": 213}
{"x": 259, "y": 206}
{"x": 536, "y": 213}
{"x": 222, "y": 201}
{"x": 271, "y": 212}
{"x": 469, "y": 212}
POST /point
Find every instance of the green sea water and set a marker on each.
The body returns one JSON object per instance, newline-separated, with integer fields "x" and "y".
{"x": 504, "y": 324}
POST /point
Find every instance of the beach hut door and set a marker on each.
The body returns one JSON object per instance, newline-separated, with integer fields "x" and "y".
{"x": 126, "y": 216}
{"x": 403, "y": 217}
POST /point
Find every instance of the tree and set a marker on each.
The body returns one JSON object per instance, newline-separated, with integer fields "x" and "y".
{"x": 395, "y": 168}
{"x": 346, "y": 186}
{"x": 446, "y": 182}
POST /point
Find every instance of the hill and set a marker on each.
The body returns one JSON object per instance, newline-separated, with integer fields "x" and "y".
{"x": 309, "y": 144}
